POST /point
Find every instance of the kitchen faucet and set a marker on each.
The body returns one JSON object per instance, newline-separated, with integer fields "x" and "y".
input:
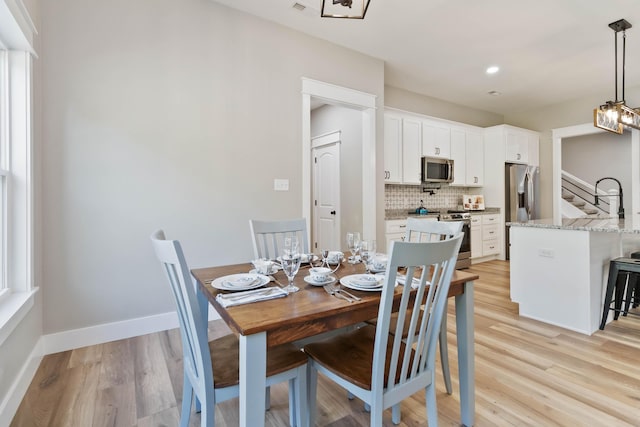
{"x": 621, "y": 204}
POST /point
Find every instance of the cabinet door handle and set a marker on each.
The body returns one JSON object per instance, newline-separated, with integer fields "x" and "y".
{"x": 403, "y": 226}
{"x": 437, "y": 150}
{"x": 475, "y": 179}
{"x": 332, "y": 212}
{"x": 518, "y": 156}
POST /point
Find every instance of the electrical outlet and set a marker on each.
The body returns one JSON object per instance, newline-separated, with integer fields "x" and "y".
{"x": 547, "y": 253}
{"x": 281, "y": 184}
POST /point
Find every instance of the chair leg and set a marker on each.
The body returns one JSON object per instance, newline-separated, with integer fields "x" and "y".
{"x": 267, "y": 399}
{"x": 444, "y": 354}
{"x": 613, "y": 274}
{"x": 300, "y": 390}
{"x": 187, "y": 396}
{"x": 432, "y": 406}
{"x": 629, "y": 293}
{"x": 396, "y": 415}
{"x": 312, "y": 384}
{"x": 293, "y": 408}
{"x": 620, "y": 287}
{"x": 350, "y": 395}
{"x": 208, "y": 414}
{"x": 376, "y": 415}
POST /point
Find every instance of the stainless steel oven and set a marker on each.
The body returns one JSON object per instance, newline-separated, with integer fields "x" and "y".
{"x": 464, "y": 255}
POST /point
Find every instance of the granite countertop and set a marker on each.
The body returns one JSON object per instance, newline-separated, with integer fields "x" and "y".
{"x": 600, "y": 223}
{"x": 391, "y": 214}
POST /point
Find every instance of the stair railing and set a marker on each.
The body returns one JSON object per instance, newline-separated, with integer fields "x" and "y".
{"x": 584, "y": 192}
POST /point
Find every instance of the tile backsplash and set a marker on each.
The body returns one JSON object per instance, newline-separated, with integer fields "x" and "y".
{"x": 409, "y": 196}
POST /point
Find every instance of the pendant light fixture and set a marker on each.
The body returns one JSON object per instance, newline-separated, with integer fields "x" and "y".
{"x": 615, "y": 115}
{"x": 353, "y": 9}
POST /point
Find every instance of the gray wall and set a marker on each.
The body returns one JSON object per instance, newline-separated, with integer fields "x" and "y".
{"x": 329, "y": 118}
{"x": 421, "y": 104}
{"x": 179, "y": 117}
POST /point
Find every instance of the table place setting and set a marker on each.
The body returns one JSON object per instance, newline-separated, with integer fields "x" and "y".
{"x": 240, "y": 282}
{"x": 363, "y": 282}
{"x": 246, "y": 297}
{"x": 320, "y": 276}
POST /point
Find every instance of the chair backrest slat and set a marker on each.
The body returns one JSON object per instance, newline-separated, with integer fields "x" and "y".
{"x": 193, "y": 330}
{"x": 437, "y": 260}
{"x": 268, "y": 236}
{"x": 424, "y": 230}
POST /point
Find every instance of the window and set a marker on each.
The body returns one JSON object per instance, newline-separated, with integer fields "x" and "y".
{"x": 16, "y": 205}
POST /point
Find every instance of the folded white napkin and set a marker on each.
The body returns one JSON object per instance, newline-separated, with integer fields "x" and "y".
{"x": 415, "y": 282}
{"x": 246, "y": 297}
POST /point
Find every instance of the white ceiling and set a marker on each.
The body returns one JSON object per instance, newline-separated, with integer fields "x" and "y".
{"x": 549, "y": 51}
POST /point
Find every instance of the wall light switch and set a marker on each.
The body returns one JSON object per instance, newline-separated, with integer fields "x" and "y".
{"x": 281, "y": 184}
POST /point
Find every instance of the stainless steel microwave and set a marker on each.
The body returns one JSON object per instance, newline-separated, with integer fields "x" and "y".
{"x": 435, "y": 169}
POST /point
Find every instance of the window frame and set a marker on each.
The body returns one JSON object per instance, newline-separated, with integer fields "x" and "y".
{"x": 17, "y": 288}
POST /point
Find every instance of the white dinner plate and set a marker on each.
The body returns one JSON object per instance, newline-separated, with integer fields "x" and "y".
{"x": 240, "y": 282}
{"x": 363, "y": 282}
{"x": 312, "y": 282}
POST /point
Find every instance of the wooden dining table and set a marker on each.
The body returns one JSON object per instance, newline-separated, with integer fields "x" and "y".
{"x": 310, "y": 312}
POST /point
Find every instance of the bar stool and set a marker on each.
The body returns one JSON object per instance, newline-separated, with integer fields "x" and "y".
{"x": 623, "y": 279}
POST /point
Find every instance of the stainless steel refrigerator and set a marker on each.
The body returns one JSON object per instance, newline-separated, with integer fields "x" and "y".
{"x": 522, "y": 195}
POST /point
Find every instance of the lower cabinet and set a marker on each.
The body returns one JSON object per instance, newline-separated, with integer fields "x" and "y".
{"x": 485, "y": 235}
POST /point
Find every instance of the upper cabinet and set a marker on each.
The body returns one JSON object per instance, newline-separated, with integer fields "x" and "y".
{"x": 436, "y": 139}
{"x": 521, "y": 146}
{"x": 467, "y": 152}
{"x": 392, "y": 149}
{"x": 516, "y": 146}
{"x": 411, "y": 151}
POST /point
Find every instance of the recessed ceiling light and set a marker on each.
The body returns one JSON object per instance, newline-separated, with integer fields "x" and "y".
{"x": 493, "y": 69}
{"x": 494, "y": 93}
{"x": 299, "y": 6}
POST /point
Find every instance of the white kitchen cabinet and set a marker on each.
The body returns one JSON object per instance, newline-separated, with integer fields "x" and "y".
{"x": 533, "y": 141}
{"x": 436, "y": 139}
{"x": 392, "y": 149}
{"x": 516, "y": 146}
{"x": 475, "y": 159}
{"x": 485, "y": 235}
{"x": 395, "y": 229}
{"x": 411, "y": 151}
{"x": 476, "y": 236}
{"x": 467, "y": 152}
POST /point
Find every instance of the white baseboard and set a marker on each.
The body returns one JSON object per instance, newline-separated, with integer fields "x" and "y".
{"x": 68, "y": 340}
{"x": 18, "y": 389}
{"x": 92, "y": 335}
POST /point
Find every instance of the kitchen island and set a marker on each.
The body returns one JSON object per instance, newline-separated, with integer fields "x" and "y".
{"x": 559, "y": 271}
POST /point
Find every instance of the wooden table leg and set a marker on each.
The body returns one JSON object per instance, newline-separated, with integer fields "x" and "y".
{"x": 253, "y": 372}
{"x": 466, "y": 366}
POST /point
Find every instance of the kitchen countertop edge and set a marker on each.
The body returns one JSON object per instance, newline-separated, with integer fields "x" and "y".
{"x": 394, "y": 214}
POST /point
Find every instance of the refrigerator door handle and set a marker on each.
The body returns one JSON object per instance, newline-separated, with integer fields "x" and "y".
{"x": 529, "y": 193}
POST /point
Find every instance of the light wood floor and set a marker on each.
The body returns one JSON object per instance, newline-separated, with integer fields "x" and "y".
{"x": 527, "y": 373}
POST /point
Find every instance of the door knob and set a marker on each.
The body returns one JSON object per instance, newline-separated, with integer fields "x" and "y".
{"x": 332, "y": 212}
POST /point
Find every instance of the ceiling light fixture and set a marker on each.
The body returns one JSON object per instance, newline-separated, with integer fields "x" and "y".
{"x": 353, "y": 9}
{"x": 493, "y": 69}
{"x": 615, "y": 115}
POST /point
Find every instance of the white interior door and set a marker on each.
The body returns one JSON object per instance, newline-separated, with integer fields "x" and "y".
{"x": 326, "y": 196}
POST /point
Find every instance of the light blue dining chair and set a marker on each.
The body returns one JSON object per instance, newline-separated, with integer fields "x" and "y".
{"x": 268, "y": 236}
{"x": 382, "y": 368}
{"x": 211, "y": 367}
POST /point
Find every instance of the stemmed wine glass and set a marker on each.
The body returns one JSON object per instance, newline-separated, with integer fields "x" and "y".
{"x": 353, "y": 243}
{"x": 367, "y": 253}
{"x": 290, "y": 260}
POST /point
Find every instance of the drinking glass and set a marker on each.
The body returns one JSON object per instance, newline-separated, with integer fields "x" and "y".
{"x": 367, "y": 253}
{"x": 290, "y": 260}
{"x": 353, "y": 244}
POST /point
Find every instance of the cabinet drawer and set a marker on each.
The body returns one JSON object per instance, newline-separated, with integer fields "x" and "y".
{"x": 490, "y": 247}
{"x": 396, "y": 226}
{"x": 490, "y": 219}
{"x": 476, "y": 220}
{"x": 490, "y": 232}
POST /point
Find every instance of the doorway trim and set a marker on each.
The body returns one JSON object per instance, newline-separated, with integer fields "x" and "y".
{"x": 350, "y": 98}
